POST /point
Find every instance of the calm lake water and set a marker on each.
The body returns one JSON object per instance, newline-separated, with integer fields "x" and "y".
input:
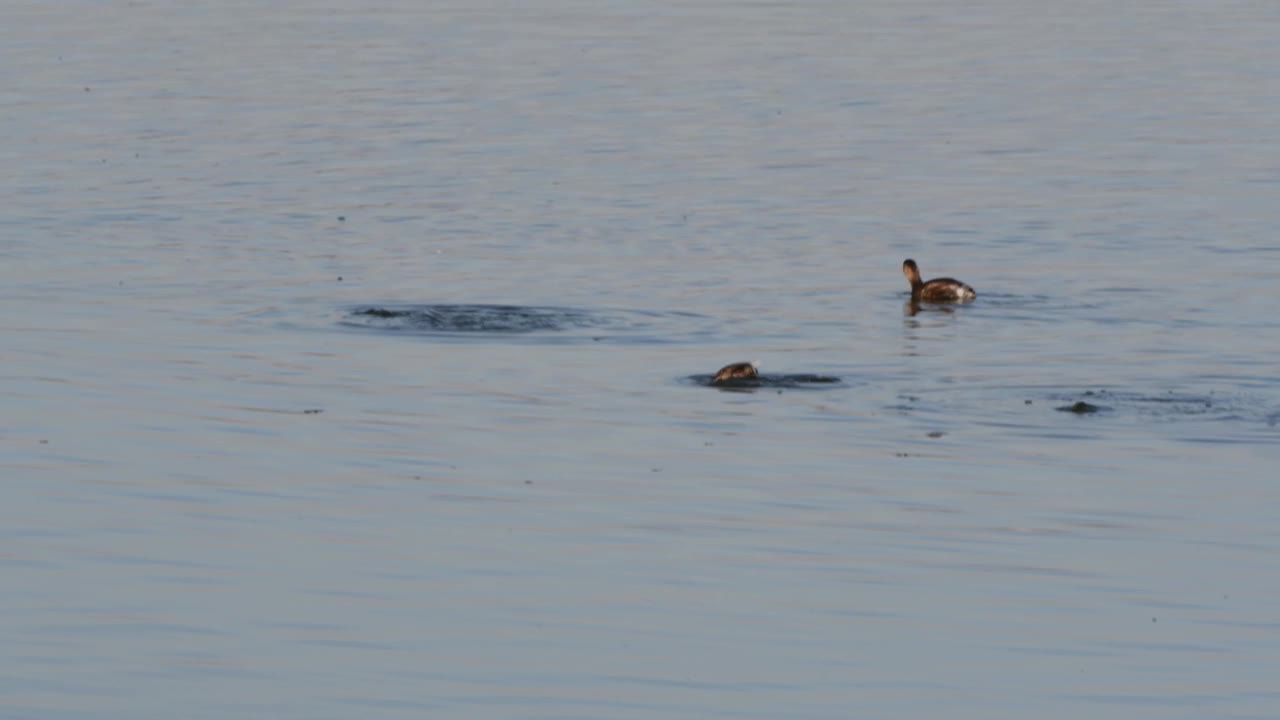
{"x": 226, "y": 493}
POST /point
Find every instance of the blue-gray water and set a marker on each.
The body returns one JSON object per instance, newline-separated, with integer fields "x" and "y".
{"x": 560, "y": 524}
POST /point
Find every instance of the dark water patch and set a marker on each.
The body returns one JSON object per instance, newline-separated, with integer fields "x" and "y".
{"x": 966, "y": 231}
{"x": 1124, "y": 290}
{"x": 1041, "y": 303}
{"x": 770, "y": 381}
{"x": 1030, "y": 308}
{"x": 548, "y": 324}
{"x": 1012, "y": 151}
{"x": 1080, "y": 407}
{"x": 1209, "y": 416}
{"x": 1172, "y": 405}
{"x": 1266, "y": 437}
{"x": 473, "y": 318}
{"x": 1240, "y": 249}
{"x": 912, "y": 308}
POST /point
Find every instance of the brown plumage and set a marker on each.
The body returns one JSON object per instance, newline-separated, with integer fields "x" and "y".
{"x": 736, "y": 371}
{"x": 938, "y": 290}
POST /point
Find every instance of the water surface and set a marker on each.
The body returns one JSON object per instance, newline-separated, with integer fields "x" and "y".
{"x": 222, "y": 498}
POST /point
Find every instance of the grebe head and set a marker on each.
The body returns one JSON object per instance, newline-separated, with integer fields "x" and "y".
{"x": 911, "y": 270}
{"x": 736, "y": 371}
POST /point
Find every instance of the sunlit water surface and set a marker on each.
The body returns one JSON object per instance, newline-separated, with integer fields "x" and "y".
{"x": 229, "y": 490}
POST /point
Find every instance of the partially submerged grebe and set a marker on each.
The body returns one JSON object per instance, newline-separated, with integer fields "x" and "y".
{"x": 736, "y": 371}
{"x": 939, "y": 290}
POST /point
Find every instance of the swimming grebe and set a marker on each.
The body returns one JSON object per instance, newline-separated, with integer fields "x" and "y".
{"x": 736, "y": 371}
{"x": 939, "y": 290}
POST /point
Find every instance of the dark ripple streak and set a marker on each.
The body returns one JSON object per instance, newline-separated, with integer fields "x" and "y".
{"x": 549, "y": 324}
